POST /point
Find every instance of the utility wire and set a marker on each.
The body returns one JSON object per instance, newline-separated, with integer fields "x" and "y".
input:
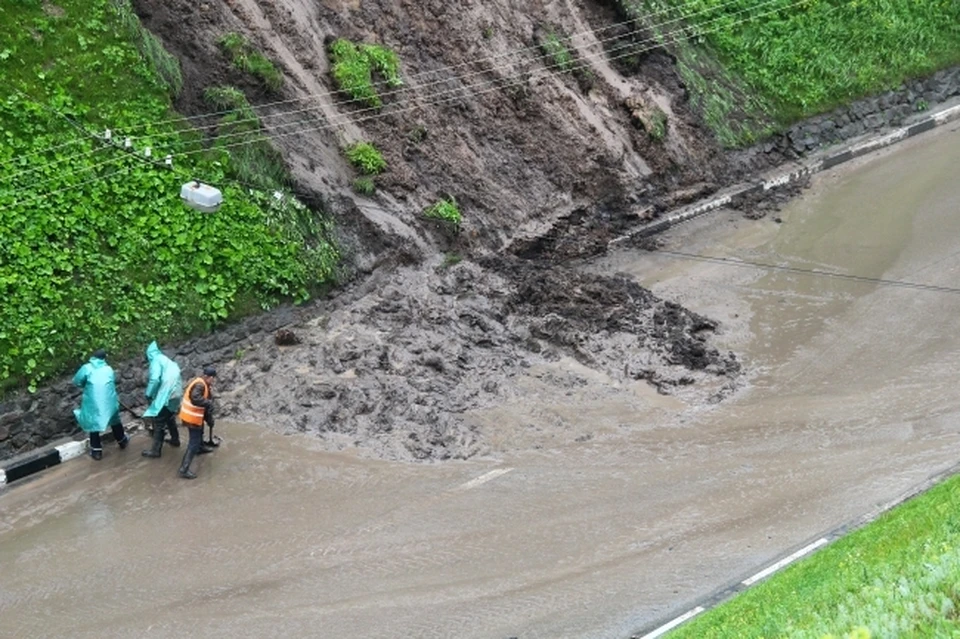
{"x": 406, "y": 89}
{"x": 381, "y": 83}
{"x": 377, "y": 83}
{"x": 49, "y": 149}
{"x": 677, "y": 35}
{"x": 729, "y": 261}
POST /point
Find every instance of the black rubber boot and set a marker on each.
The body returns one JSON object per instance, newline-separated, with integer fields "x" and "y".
{"x": 96, "y": 454}
{"x": 185, "y": 465}
{"x": 120, "y": 435}
{"x": 174, "y": 432}
{"x": 157, "y": 446}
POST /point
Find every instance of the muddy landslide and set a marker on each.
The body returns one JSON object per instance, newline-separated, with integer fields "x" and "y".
{"x": 545, "y": 166}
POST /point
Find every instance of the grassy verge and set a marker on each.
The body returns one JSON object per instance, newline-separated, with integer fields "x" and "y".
{"x": 805, "y": 58}
{"x": 95, "y": 246}
{"x": 897, "y": 577}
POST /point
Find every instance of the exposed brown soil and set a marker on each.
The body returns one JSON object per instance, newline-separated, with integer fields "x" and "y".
{"x": 546, "y": 166}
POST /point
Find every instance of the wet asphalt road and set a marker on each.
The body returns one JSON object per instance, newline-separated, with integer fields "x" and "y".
{"x": 643, "y": 508}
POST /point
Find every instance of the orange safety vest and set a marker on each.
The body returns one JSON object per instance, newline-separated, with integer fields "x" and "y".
{"x": 191, "y": 414}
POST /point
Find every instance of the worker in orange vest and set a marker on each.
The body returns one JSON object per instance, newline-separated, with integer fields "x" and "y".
{"x": 195, "y": 409}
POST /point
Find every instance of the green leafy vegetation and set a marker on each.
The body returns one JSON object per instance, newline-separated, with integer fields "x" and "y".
{"x": 366, "y": 158}
{"x": 446, "y": 210}
{"x": 657, "y": 129}
{"x": 897, "y": 577}
{"x": 354, "y": 67}
{"x": 557, "y": 52}
{"x": 246, "y": 58}
{"x": 96, "y": 248}
{"x": 364, "y": 186}
{"x": 801, "y": 59}
{"x": 246, "y": 154}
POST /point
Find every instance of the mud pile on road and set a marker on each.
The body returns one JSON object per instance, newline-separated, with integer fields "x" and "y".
{"x": 391, "y": 366}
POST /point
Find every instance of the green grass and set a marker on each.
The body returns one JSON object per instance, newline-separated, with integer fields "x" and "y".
{"x": 366, "y": 157}
{"x": 897, "y": 577}
{"x": 355, "y": 67}
{"x": 97, "y": 247}
{"x": 801, "y": 60}
{"x": 246, "y": 58}
{"x": 164, "y": 65}
{"x": 256, "y": 162}
{"x": 234, "y": 103}
{"x": 364, "y": 186}
{"x": 658, "y": 125}
{"x": 558, "y": 53}
{"x": 445, "y": 210}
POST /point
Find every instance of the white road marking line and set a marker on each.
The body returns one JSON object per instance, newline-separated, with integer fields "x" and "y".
{"x": 482, "y": 479}
{"x": 783, "y": 562}
{"x": 71, "y": 450}
{"x": 667, "y": 627}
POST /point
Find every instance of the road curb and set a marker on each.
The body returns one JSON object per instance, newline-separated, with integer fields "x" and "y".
{"x": 20, "y": 467}
{"x": 782, "y": 177}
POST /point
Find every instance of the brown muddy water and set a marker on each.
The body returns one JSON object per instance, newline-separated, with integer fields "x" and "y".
{"x": 602, "y": 510}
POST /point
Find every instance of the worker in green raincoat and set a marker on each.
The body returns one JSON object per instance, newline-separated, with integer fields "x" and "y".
{"x": 164, "y": 390}
{"x": 100, "y": 407}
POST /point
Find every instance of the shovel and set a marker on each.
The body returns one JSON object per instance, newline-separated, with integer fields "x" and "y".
{"x": 214, "y": 440}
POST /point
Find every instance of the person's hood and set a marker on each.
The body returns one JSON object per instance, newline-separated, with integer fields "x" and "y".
{"x": 96, "y": 362}
{"x": 153, "y": 351}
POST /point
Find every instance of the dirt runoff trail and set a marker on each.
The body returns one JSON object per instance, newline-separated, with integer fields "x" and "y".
{"x": 616, "y": 508}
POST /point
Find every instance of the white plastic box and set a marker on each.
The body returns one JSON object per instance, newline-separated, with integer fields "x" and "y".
{"x": 201, "y": 197}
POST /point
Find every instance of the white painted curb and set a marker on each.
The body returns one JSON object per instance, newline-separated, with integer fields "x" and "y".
{"x": 71, "y": 450}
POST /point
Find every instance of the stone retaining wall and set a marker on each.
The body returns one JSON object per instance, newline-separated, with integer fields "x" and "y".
{"x": 868, "y": 115}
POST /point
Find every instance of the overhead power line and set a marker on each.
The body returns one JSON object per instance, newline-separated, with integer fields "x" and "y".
{"x": 741, "y": 263}
{"x": 447, "y": 68}
{"x": 499, "y": 84}
{"x": 410, "y": 88}
{"x": 377, "y": 84}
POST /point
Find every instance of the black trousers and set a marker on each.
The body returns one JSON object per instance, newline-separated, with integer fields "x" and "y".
{"x": 196, "y": 439}
{"x": 166, "y": 419}
{"x": 118, "y": 434}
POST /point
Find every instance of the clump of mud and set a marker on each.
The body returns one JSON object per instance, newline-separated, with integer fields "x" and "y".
{"x": 392, "y": 366}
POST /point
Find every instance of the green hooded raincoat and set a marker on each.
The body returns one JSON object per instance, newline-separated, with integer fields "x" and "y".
{"x": 100, "y": 406}
{"x": 165, "y": 387}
